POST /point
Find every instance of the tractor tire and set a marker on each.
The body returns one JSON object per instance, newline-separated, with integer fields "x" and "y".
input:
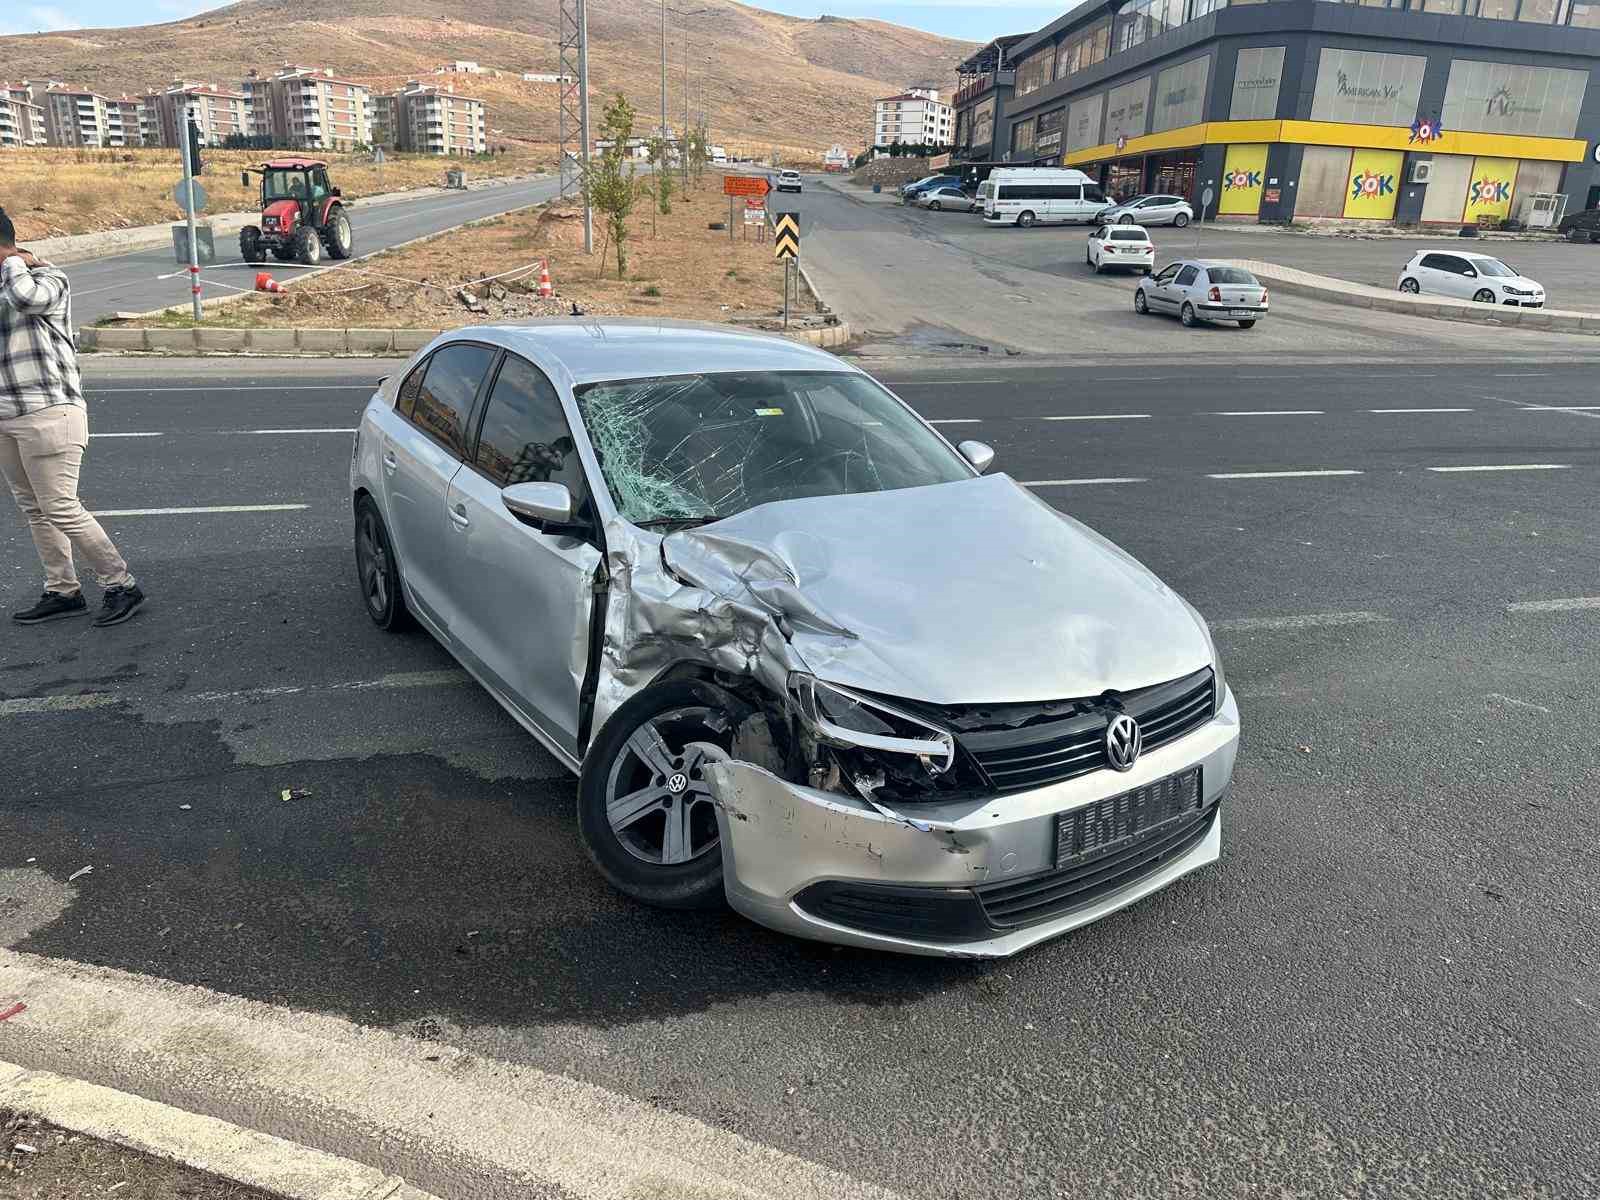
{"x": 307, "y": 246}
{"x": 250, "y": 244}
{"x": 339, "y": 235}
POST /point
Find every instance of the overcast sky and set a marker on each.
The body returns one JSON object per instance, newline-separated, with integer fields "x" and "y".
{"x": 954, "y": 18}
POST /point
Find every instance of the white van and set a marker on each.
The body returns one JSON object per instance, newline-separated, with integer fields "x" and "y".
{"x": 1040, "y": 195}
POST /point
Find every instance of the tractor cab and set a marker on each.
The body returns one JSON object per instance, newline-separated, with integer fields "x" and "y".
{"x": 301, "y": 213}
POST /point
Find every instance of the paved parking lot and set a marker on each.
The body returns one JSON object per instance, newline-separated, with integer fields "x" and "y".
{"x": 1386, "y": 986}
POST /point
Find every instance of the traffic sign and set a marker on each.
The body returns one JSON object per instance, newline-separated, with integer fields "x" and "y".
{"x": 377, "y": 156}
{"x": 183, "y": 195}
{"x": 755, "y": 212}
{"x": 786, "y": 235}
{"x": 745, "y": 185}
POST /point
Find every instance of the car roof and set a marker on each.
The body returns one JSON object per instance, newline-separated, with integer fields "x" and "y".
{"x": 588, "y": 351}
{"x": 1458, "y": 253}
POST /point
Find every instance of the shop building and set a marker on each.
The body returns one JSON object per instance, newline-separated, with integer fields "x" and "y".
{"x": 1431, "y": 111}
{"x": 984, "y": 82}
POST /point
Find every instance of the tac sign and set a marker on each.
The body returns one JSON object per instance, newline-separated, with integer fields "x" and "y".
{"x": 755, "y": 212}
{"x": 745, "y": 185}
{"x": 786, "y": 235}
{"x": 190, "y": 200}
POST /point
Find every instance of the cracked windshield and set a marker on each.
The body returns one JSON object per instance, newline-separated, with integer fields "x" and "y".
{"x": 697, "y": 448}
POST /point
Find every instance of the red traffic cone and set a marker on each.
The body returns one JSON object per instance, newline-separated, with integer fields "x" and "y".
{"x": 546, "y": 288}
{"x": 266, "y": 283}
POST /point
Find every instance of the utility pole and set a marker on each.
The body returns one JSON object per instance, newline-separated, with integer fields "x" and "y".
{"x": 573, "y": 114}
{"x": 188, "y": 209}
{"x": 663, "y": 130}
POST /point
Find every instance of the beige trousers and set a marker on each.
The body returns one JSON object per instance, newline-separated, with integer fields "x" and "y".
{"x": 40, "y": 456}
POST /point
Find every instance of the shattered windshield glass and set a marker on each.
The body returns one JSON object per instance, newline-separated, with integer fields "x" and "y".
{"x": 697, "y": 448}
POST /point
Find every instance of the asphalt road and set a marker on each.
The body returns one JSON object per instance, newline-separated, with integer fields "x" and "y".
{"x": 909, "y": 279}
{"x": 132, "y": 283}
{"x": 1387, "y": 987}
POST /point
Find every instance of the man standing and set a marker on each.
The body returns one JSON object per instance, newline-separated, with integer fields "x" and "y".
{"x": 44, "y": 430}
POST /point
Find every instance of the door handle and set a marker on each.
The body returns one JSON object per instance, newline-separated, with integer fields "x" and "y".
{"x": 389, "y": 463}
{"x": 458, "y": 514}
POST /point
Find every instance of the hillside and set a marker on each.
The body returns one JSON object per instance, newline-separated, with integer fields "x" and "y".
{"x": 765, "y": 79}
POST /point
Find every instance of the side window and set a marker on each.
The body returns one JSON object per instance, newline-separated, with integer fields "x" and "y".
{"x": 525, "y": 438}
{"x": 1091, "y": 191}
{"x": 405, "y": 401}
{"x": 1166, "y": 275}
{"x": 445, "y": 400}
{"x": 1101, "y": 232}
{"x": 1187, "y": 276}
{"x": 1464, "y": 267}
{"x": 1071, "y": 192}
{"x": 1437, "y": 262}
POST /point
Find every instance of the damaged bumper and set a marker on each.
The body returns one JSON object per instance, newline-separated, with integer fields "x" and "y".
{"x": 973, "y": 878}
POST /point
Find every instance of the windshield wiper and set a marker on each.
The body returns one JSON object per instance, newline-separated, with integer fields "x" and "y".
{"x": 674, "y": 523}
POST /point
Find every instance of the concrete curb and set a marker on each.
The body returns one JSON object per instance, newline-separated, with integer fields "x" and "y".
{"x": 453, "y": 1122}
{"x": 241, "y": 1155}
{"x": 85, "y": 247}
{"x": 322, "y": 342}
{"x": 1360, "y": 295}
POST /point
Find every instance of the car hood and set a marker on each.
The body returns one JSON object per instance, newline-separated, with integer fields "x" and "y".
{"x": 965, "y": 592}
{"x": 1521, "y": 281}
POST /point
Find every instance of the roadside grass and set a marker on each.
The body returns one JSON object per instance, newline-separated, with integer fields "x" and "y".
{"x": 50, "y": 192}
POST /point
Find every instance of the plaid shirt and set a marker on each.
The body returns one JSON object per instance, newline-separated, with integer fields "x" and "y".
{"x": 38, "y": 359}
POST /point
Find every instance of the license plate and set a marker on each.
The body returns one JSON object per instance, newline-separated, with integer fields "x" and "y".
{"x": 1243, "y": 313}
{"x": 1117, "y": 821}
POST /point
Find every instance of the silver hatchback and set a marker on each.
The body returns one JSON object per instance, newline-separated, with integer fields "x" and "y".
{"x": 1196, "y": 291}
{"x": 802, "y": 653}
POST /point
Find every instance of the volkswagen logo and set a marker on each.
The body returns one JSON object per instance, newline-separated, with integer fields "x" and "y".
{"x": 1123, "y": 742}
{"x": 679, "y": 782}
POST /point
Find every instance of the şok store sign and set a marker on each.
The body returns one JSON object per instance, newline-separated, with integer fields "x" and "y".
{"x": 1489, "y": 189}
{"x": 1374, "y": 184}
{"x": 1242, "y": 179}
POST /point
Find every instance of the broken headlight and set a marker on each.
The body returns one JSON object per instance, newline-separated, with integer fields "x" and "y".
{"x": 842, "y": 718}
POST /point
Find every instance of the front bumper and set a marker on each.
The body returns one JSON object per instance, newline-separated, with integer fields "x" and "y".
{"x": 789, "y": 850}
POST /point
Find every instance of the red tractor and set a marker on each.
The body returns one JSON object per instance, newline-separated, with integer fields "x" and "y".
{"x": 300, "y": 214}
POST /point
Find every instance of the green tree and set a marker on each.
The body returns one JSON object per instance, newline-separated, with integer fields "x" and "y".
{"x": 698, "y": 146}
{"x": 610, "y": 178}
{"x": 660, "y": 187}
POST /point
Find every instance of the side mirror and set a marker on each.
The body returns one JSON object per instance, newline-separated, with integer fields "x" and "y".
{"x": 979, "y": 454}
{"x": 244, "y": 178}
{"x": 539, "y": 503}
{"x": 1471, "y": 272}
{"x": 336, "y": 191}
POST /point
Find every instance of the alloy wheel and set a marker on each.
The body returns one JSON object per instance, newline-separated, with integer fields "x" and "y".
{"x": 1484, "y": 296}
{"x": 658, "y": 803}
{"x": 372, "y": 557}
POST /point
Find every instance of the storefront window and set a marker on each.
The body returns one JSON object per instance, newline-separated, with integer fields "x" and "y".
{"x": 1538, "y": 12}
{"x": 1586, "y": 16}
{"x": 1034, "y": 72}
{"x": 1451, "y": 8}
{"x": 1022, "y": 139}
{"x": 1174, "y": 174}
{"x": 1202, "y": 7}
{"x": 1497, "y": 10}
{"x": 1125, "y": 179}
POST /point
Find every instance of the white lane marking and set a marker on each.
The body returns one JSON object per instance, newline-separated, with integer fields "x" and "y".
{"x": 122, "y": 435}
{"x": 1080, "y": 482}
{"x": 955, "y": 382}
{"x": 1417, "y": 410}
{"x": 1560, "y": 407}
{"x": 211, "y": 508}
{"x": 1522, "y": 375}
{"x": 1272, "y": 412}
{"x": 248, "y": 431}
{"x": 205, "y": 387}
{"x": 1279, "y": 474}
{"x": 1515, "y": 703}
{"x": 1300, "y": 621}
{"x": 944, "y": 421}
{"x": 1505, "y": 467}
{"x": 1572, "y": 604}
{"x": 1103, "y": 417}
{"x": 24, "y": 705}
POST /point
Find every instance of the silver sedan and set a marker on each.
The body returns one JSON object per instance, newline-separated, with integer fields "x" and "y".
{"x": 952, "y": 198}
{"x": 802, "y": 653}
{"x": 1196, "y": 291}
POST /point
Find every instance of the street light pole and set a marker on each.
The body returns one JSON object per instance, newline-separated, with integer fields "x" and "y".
{"x": 663, "y": 130}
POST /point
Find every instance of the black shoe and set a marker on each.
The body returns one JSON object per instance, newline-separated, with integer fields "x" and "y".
{"x": 120, "y": 604}
{"x": 52, "y": 606}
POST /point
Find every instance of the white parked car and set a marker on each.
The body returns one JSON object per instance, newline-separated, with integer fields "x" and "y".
{"x": 1150, "y": 210}
{"x": 1199, "y": 291}
{"x": 952, "y": 198}
{"x": 1127, "y": 246}
{"x": 1466, "y": 276}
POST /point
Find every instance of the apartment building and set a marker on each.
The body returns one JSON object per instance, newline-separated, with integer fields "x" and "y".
{"x": 304, "y": 108}
{"x": 21, "y": 118}
{"x": 424, "y": 118}
{"x": 217, "y": 112}
{"x": 915, "y": 116}
{"x": 124, "y": 121}
{"x": 73, "y": 116}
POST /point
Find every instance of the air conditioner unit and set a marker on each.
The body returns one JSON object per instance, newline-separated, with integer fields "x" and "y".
{"x": 1421, "y": 172}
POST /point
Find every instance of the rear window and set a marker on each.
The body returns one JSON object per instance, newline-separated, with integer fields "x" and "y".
{"x": 1230, "y": 275}
{"x": 1129, "y": 235}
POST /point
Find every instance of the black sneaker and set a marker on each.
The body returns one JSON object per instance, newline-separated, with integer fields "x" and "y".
{"x": 52, "y": 606}
{"x": 120, "y": 604}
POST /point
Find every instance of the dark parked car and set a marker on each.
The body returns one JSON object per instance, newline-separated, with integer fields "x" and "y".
{"x": 911, "y": 191}
{"x": 1581, "y": 226}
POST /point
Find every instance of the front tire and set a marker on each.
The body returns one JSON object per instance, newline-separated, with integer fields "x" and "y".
{"x": 378, "y": 571}
{"x": 1125, "y": 219}
{"x": 1187, "y": 315}
{"x": 1026, "y": 220}
{"x": 1140, "y": 304}
{"x": 250, "y": 244}
{"x": 1181, "y": 220}
{"x": 1483, "y": 296}
{"x": 644, "y": 809}
{"x": 1411, "y": 287}
{"x": 307, "y": 246}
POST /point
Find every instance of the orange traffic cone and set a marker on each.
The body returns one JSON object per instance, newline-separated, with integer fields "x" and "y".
{"x": 266, "y": 283}
{"x": 546, "y": 288}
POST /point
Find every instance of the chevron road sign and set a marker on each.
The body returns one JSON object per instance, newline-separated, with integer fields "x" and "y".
{"x": 786, "y": 235}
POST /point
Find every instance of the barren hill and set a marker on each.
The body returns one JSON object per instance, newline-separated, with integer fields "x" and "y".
{"x": 764, "y": 78}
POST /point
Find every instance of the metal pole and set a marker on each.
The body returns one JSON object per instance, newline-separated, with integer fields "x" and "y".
{"x": 663, "y": 77}
{"x": 788, "y": 267}
{"x": 685, "y": 153}
{"x": 583, "y": 121}
{"x": 188, "y": 188}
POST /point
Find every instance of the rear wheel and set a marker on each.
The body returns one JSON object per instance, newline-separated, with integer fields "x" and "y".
{"x": 1483, "y": 296}
{"x": 1181, "y": 220}
{"x": 1411, "y": 286}
{"x": 1125, "y": 219}
{"x": 307, "y": 246}
{"x": 1140, "y": 304}
{"x": 1187, "y": 315}
{"x": 340, "y": 236}
{"x": 1026, "y": 220}
{"x": 377, "y": 570}
{"x": 1578, "y": 235}
{"x": 644, "y": 807}
{"x": 250, "y": 244}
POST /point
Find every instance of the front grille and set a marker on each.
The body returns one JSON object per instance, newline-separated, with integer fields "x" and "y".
{"x": 1052, "y": 750}
{"x": 1019, "y": 903}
